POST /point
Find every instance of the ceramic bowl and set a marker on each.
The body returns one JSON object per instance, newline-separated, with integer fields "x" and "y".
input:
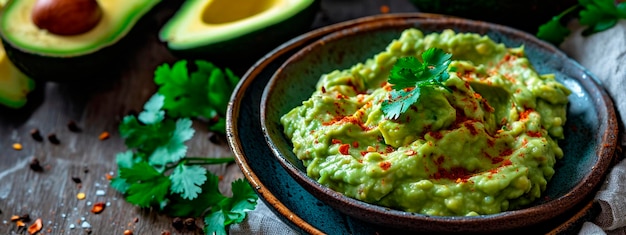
{"x": 591, "y": 128}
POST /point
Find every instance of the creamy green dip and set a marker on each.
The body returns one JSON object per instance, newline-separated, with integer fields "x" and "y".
{"x": 486, "y": 147}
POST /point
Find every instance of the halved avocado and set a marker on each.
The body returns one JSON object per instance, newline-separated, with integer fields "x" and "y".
{"x": 44, "y": 55}
{"x": 229, "y": 29}
{"x": 14, "y": 85}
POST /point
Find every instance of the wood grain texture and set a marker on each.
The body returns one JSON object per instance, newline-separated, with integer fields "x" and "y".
{"x": 97, "y": 105}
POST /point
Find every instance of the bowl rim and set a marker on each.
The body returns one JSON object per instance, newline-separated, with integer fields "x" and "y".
{"x": 610, "y": 136}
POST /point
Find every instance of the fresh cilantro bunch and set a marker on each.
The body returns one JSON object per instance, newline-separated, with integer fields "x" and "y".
{"x": 155, "y": 171}
{"x": 597, "y": 15}
{"x": 203, "y": 93}
{"x": 409, "y": 76}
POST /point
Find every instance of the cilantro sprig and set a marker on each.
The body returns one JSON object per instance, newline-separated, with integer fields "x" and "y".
{"x": 156, "y": 172}
{"x": 409, "y": 76}
{"x": 203, "y": 93}
{"x": 597, "y": 15}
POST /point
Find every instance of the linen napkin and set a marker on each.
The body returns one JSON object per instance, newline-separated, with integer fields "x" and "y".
{"x": 604, "y": 55}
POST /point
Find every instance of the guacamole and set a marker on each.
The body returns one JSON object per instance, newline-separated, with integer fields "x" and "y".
{"x": 485, "y": 145}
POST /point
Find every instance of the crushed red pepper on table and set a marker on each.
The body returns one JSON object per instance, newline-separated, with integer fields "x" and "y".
{"x": 104, "y": 135}
{"x": 35, "y": 227}
{"x": 98, "y": 207}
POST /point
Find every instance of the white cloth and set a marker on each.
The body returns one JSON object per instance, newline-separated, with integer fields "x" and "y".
{"x": 261, "y": 221}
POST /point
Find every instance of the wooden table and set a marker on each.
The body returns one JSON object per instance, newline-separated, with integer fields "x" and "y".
{"x": 97, "y": 107}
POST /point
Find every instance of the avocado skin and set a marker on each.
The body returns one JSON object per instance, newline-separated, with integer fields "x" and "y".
{"x": 526, "y": 15}
{"x": 98, "y": 65}
{"x": 244, "y": 50}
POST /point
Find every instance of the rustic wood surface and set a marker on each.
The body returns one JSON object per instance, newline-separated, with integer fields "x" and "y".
{"x": 97, "y": 106}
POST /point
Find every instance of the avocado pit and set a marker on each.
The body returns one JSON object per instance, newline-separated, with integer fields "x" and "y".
{"x": 66, "y": 17}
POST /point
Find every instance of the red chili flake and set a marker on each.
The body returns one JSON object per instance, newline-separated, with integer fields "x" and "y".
{"x": 355, "y": 144}
{"x": 98, "y": 207}
{"x": 533, "y": 133}
{"x": 343, "y": 149}
{"x": 128, "y": 232}
{"x": 524, "y": 115}
{"x": 384, "y": 9}
{"x": 491, "y": 142}
{"x": 385, "y": 165}
{"x": 506, "y": 162}
{"x": 453, "y": 174}
{"x": 108, "y": 176}
{"x": 35, "y": 227}
{"x": 470, "y": 126}
{"x": 335, "y": 141}
{"x": 496, "y": 160}
{"x": 363, "y": 153}
{"x": 506, "y": 152}
{"x": 20, "y": 224}
{"x": 104, "y": 135}
{"x": 439, "y": 160}
{"x": 487, "y": 106}
{"x": 435, "y": 134}
{"x": 323, "y": 89}
{"x": 15, "y": 218}
{"x": 389, "y": 149}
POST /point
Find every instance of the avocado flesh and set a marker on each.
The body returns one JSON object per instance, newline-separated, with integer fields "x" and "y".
{"x": 118, "y": 18}
{"x": 14, "y": 85}
{"x": 225, "y": 27}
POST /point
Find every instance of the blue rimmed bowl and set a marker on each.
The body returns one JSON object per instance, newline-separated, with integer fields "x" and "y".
{"x": 591, "y": 129}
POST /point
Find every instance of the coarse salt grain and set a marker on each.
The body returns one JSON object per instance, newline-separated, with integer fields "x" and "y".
{"x": 85, "y": 225}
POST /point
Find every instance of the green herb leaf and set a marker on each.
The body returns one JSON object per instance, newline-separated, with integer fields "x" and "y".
{"x": 599, "y": 15}
{"x": 146, "y": 138}
{"x": 553, "y": 31}
{"x": 147, "y": 186}
{"x": 175, "y": 148}
{"x": 185, "y": 96}
{"x": 408, "y": 76}
{"x": 186, "y": 180}
{"x": 231, "y": 210}
{"x": 123, "y": 160}
{"x": 152, "y": 112}
{"x": 203, "y": 93}
{"x": 157, "y": 148}
{"x": 209, "y": 197}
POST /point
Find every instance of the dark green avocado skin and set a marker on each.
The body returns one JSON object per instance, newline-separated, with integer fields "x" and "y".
{"x": 251, "y": 47}
{"x": 101, "y": 65}
{"x": 522, "y": 14}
